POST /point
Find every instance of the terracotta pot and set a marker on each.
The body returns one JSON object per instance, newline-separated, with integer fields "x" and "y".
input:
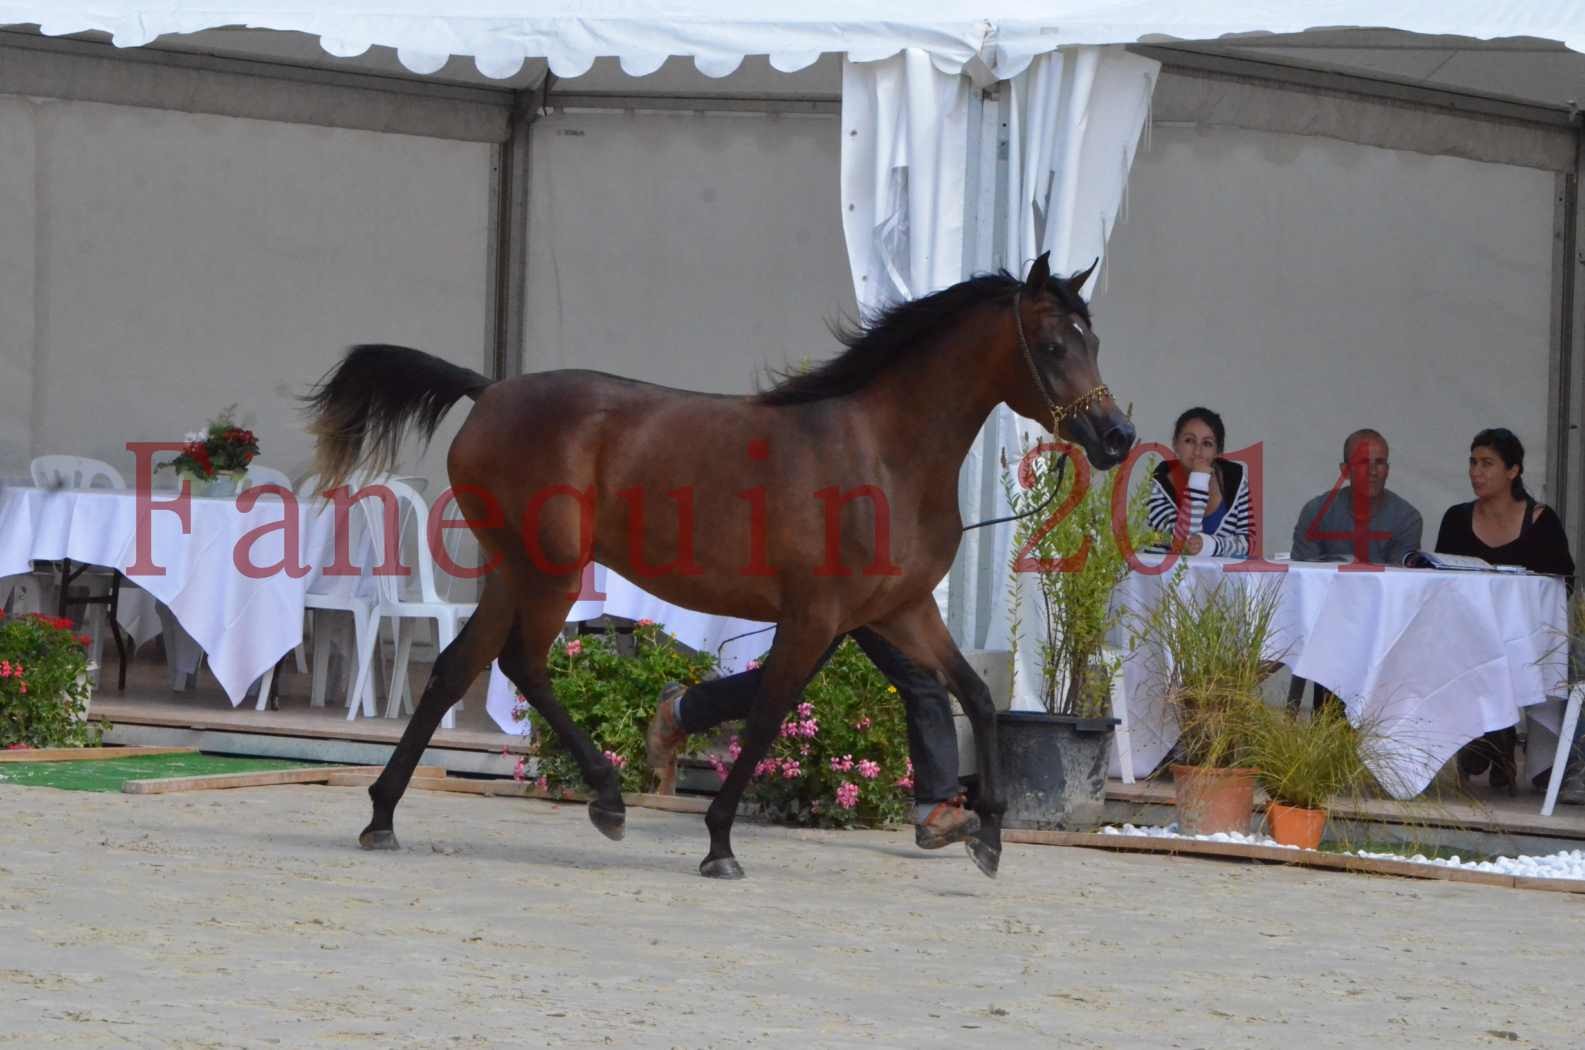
{"x": 1293, "y": 826}
{"x": 1211, "y": 801}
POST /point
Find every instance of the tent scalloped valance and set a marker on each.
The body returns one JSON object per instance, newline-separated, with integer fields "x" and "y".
{"x": 1000, "y": 38}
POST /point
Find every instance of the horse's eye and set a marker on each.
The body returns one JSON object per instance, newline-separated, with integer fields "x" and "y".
{"x": 1053, "y": 348}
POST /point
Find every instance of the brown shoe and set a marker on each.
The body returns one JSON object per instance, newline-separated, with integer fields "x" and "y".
{"x": 947, "y": 823}
{"x": 665, "y": 738}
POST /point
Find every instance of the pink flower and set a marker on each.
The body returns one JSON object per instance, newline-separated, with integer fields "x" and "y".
{"x": 615, "y": 759}
{"x": 803, "y": 750}
{"x": 869, "y": 770}
{"x": 646, "y": 622}
{"x": 543, "y": 783}
{"x": 790, "y": 770}
{"x": 734, "y": 749}
{"x": 806, "y": 710}
{"x": 847, "y": 794}
{"x": 574, "y": 647}
{"x": 789, "y": 729}
{"x": 808, "y": 728}
{"x": 719, "y": 767}
{"x": 519, "y": 711}
{"x": 23, "y": 689}
{"x": 519, "y": 771}
{"x": 863, "y": 723}
{"x": 906, "y": 783}
{"x": 767, "y": 767}
{"x": 5, "y": 668}
{"x": 752, "y": 665}
{"x": 842, "y": 765}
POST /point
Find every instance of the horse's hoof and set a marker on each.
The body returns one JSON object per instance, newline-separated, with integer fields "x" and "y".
{"x": 378, "y": 838}
{"x": 611, "y": 824}
{"x": 721, "y": 868}
{"x": 985, "y": 857}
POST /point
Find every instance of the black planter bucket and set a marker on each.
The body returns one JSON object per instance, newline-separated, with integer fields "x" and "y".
{"x": 1053, "y": 769}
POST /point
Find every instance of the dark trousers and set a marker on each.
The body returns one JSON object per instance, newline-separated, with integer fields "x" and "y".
{"x": 1322, "y": 697}
{"x": 932, "y": 738}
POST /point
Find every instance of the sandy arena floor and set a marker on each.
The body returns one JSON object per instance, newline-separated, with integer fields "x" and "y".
{"x": 248, "y": 918}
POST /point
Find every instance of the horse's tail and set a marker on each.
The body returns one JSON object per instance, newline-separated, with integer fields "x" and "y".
{"x": 362, "y": 407}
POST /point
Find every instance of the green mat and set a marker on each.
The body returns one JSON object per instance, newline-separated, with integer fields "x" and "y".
{"x": 110, "y": 773}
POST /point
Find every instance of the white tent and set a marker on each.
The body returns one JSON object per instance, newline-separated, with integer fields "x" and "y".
{"x": 927, "y": 193}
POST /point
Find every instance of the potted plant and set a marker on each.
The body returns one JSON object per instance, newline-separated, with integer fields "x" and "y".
{"x": 1053, "y": 761}
{"x": 215, "y": 460}
{"x": 44, "y": 684}
{"x": 1215, "y": 644}
{"x": 1303, "y": 765}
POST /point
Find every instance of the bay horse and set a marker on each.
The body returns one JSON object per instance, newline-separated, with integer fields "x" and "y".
{"x": 825, "y": 503}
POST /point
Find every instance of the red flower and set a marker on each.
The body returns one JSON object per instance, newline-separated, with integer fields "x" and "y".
{"x": 18, "y": 747}
{"x": 85, "y": 640}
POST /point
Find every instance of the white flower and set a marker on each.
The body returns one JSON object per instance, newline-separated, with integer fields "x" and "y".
{"x": 194, "y": 435}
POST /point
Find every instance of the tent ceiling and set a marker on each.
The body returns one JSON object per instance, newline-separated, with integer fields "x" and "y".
{"x": 1530, "y": 69}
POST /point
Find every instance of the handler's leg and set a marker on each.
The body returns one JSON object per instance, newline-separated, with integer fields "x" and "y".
{"x": 683, "y": 711}
{"x": 940, "y": 817}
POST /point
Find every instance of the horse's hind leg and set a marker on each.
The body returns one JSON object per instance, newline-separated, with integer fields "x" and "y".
{"x": 455, "y": 669}
{"x": 540, "y": 618}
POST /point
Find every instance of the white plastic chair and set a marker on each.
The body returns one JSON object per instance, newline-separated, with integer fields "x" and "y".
{"x": 420, "y": 601}
{"x": 73, "y": 472}
{"x": 339, "y": 594}
{"x": 1565, "y": 742}
{"x": 258, "y": 474}
{"x": 82, "y": 472}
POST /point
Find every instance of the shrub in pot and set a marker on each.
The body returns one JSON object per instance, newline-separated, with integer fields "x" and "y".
{"x": 1215, "y": 642}
{"x": 1304, "y": 764}
{"x": 1053, "y": 761}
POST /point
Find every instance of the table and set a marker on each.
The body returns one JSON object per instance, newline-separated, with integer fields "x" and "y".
{"x": 243, "y": 622}
{"x": 1432, "y": 659}
{"x": 714, "y": 634}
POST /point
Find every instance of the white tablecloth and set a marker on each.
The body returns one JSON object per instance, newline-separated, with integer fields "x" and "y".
{"x": 1431, "y": 660}
{"x": 624, "y": 598}
{"x": 244, "y": 624}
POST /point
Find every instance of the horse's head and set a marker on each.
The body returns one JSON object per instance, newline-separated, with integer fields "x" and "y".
{"x": 1059, "y": 381}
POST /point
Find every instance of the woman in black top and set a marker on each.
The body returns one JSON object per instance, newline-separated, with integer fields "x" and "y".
{"x": 1505, "y": 526}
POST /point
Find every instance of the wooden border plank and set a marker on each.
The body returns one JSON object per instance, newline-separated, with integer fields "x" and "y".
{"x": 269, "y": 778}
{"x": 88, "y": 754}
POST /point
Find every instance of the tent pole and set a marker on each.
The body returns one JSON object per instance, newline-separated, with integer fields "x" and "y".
{"x": 1568, "y": 452}
{"x": 508, "y": 252}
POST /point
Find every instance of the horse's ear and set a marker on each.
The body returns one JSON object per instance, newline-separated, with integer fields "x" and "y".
{"x": 1039, "y": 273}
{"x": 1076, "y": 282}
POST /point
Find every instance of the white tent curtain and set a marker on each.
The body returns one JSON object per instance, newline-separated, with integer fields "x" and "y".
{"x": 1078, "y": 119}
{"x": 1074, "y": 121}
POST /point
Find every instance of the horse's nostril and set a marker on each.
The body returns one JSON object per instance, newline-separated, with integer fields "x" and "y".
{"x": 1119, "y": 439}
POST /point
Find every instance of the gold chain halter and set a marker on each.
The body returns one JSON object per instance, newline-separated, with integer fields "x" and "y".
{"x": 1058, "y": 413}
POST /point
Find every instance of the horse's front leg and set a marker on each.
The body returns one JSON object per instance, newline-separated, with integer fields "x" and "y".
{"x": 794, "y": 658}
{"x": 985, "y": 846}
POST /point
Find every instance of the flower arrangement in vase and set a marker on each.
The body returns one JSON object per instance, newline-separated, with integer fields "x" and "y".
{"x": 216, "y": 458}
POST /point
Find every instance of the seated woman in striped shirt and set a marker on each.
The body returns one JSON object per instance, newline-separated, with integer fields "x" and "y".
{"x": 1198, "y": 440}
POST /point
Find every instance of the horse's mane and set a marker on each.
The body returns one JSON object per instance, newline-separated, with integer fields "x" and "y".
{"x": 897, "y": 334}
